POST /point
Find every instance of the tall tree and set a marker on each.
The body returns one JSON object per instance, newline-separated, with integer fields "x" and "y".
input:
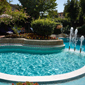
{"x": 71, "y": 10}
{"x": 82, "y": 5}
{"x": 82, "y": 12}
{"x": 33, "y": 7}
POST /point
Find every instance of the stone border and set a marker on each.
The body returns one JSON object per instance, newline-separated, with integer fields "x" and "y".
{"x": 32, "y": 42}
{"x": 61, "y": 77}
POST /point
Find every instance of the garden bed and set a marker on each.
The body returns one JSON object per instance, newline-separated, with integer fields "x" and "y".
{"x": 31, "y": 36}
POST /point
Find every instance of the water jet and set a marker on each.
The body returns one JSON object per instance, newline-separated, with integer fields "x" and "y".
{"x": 81, "y": 40}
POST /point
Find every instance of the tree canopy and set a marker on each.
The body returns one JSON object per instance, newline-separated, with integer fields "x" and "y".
{"x": 82, "y": 12}
{"x": 17, "y": 15}
{"x": 74, "y": 10}
{"x": 71, "y": 10}
{"x": 3, "y": 6}
{"x": 53, "y": 13}
{"x": 33, "y": 7}
{"x": 82, "y": 5}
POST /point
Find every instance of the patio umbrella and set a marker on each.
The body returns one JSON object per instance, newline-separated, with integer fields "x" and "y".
{"x": 5, "y": 16}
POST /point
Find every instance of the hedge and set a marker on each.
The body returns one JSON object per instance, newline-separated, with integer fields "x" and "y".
{"x": 43, "y": 27}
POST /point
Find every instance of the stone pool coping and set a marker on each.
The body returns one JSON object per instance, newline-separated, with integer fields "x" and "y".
{"x": 32, "y": 41}
{"x": 51, "y": 78}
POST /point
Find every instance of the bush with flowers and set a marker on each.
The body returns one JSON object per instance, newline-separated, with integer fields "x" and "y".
{"x": 26, "y": 83}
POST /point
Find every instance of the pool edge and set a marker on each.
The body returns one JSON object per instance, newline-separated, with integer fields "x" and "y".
{"x": 52, "y": 78}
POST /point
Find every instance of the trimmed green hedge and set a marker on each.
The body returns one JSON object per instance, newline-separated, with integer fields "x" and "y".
{"x": 43, "y": 27}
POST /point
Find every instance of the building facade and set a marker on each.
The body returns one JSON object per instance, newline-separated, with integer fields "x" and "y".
{"x": 60, "y": 15}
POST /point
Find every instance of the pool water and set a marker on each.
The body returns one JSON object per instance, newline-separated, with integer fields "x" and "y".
{"x": 25, "y": 63}
{"x": 66, "y": 42}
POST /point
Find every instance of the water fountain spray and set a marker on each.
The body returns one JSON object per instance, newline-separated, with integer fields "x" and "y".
{"x": 70, "y": 38}
{"x": 81, "y": 40}
{"x": 75, "y": 38}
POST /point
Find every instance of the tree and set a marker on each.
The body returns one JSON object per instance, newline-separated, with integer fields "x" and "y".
{"x": 53, "y": 13}
{"x": 18, "y": 16}
{"x": 82, "y": 12}
{"x": 71, "y": 11}
{"x": 3, "y": 6}
{"x": 82, "y": 5}
{"x": 33, "y": 7}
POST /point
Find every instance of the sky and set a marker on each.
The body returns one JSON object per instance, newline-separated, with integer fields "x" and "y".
{"x": 60, "y": 6}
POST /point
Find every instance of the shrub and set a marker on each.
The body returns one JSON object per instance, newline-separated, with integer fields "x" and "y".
{"x": 43, "y": 27}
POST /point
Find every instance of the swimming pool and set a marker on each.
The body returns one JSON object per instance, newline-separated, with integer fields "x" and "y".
{"x": 47, "y": 64}
{"x": 36, "y": 61}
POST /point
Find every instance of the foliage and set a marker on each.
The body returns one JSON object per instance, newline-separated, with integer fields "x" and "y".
{"x": 5, "y": 20}
{"x": 30, "y": 36}
{"x": 82, "y": 5}
{"x": 43, "y": 26}
{"x": 17, "y": 17}
{"x": 64, "y": 21}
{"x": 15, "y": 30}
{"x": 71, "y": 11}
{"x": 75, "y": 11}
{"x": 63, "y": 24}
{"x": 66, "y": 29}
{"x": 82, "y": 12}
{"x": 57, "y": 29}
{"x": 33, "y": 7}
{"x": 53, "y": 13}
{"x": 81, "y": 30}
{"x": 3, "y": 6}
{"x": 35, "y": 36}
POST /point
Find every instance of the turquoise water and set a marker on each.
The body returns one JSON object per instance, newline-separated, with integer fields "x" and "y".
{"x": 80, "y": 81}
{"x": 25, "y": 62}
{"x": 66, "y": 42}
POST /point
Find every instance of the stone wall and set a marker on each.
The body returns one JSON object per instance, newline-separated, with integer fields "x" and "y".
{"x": 31, "y": 41}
